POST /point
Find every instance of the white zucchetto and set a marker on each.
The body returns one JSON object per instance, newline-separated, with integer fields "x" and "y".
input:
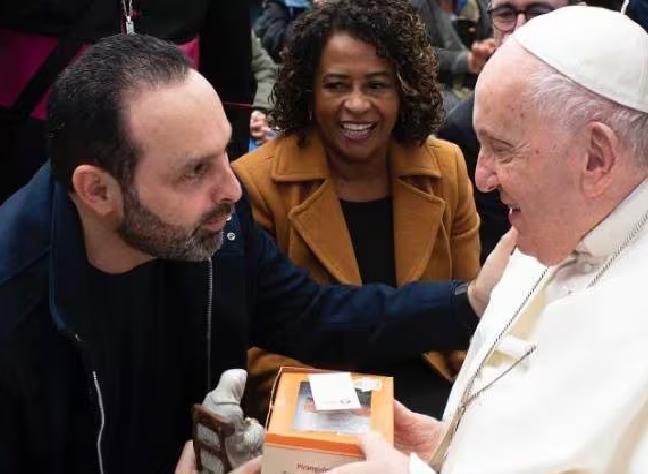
{"x": 602, "y": 50}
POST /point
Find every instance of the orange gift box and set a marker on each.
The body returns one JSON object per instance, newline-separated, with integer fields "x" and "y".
{"x": 300, "y": 439}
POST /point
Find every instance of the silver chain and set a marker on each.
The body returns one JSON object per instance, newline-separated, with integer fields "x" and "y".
{"x": 467, "y": 397}
{"x": 629, "y": 238}
{"x": 128, "y": 14}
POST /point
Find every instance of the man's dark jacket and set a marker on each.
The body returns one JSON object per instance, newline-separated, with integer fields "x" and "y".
{"x": 638, "y": 11}
{"x": 48, "y": 380}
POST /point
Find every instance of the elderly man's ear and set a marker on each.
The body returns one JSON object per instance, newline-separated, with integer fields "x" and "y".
{"x": 603, "y": 153}
{"x": 97, "y": 189}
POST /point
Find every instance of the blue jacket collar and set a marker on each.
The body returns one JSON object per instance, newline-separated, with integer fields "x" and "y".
{"x": 68, "y": 297}
{"x": 41, "y": 227}
{"x": 25, "y": 219}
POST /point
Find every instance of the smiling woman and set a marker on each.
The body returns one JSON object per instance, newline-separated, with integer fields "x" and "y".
{"x": 356, "y": 189}
{"x": 355, "y": 105}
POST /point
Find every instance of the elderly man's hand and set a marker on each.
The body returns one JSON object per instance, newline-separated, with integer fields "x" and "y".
{"x": 187, "y": 463}
{"x": 416, "y": 433}
{"x": 480, "y": 288}
{"x": 379, "y": 457}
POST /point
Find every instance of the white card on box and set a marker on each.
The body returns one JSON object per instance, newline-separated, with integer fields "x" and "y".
{"x": 333, "y": 391}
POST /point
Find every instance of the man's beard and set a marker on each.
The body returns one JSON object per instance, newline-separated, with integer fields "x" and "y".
{"x": 144, "y": 230}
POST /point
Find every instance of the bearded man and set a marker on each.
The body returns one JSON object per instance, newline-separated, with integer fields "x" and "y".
{"x": 132, "y": 274}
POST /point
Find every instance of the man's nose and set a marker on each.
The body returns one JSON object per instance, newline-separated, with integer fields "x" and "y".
{"x": 228, "y": 188}
{"x": 485, "y": 177}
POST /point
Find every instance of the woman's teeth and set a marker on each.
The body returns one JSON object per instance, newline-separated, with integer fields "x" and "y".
{"x": 357, "y": 130}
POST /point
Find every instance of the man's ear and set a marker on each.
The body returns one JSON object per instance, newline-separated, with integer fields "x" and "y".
{"x": 97, "y": 189}
{"x": 602, "y": 157}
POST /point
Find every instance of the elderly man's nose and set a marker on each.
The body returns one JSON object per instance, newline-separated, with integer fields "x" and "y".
{"x": 485, "y": 177}
{"x": 521, "y": 20}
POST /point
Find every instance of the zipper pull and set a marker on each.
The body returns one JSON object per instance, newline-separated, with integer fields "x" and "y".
{"x": 130, "y": 25}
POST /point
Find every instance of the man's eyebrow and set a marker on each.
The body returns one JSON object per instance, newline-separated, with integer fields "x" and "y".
{"x": 484, "y": 133}
{"x": 193, "y": 161}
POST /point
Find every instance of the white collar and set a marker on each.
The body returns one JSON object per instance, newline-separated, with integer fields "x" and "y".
{"x": 604, "y": 239}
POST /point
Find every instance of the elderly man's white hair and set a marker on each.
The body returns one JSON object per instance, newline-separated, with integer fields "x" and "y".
{"x": 592, "y": 66}
{"x": 572, "y": 106}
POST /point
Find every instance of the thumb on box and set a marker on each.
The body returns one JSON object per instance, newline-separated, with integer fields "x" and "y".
{"x": 373, "y": 445}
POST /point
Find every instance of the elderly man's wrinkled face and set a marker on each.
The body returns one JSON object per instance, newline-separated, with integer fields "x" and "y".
{"x": 529, "y": 158}
{"x": 183, "y": 189}
{"x": 509, "y": 15}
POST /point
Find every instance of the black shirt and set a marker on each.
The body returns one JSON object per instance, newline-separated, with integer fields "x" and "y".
{"x": 371, "y": 226}
{"x": 143, "y": 369}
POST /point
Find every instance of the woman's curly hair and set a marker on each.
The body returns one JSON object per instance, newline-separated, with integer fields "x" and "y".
{"x": 394, "y": 28}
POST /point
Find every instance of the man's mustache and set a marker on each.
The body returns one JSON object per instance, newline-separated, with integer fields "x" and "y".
{"x": 223, "y": 210}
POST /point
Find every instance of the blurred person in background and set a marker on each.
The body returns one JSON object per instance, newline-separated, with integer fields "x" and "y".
{"x": 265, "y": 75}
{"x": 273, "y": 24}
{"x": 456, "y": 60}
{"x": 38, "y": 39}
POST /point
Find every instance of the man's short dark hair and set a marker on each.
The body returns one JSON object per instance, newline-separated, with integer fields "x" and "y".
{"x": 85, "y": 124}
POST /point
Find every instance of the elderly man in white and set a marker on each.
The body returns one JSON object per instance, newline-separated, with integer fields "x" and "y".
{"x": 556, "y": 379}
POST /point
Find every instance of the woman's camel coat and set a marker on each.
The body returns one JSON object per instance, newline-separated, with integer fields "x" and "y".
{"x": 294, "y": 199}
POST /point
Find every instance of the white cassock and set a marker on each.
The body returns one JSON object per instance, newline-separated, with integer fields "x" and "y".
{"x": 578, "y": 403}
